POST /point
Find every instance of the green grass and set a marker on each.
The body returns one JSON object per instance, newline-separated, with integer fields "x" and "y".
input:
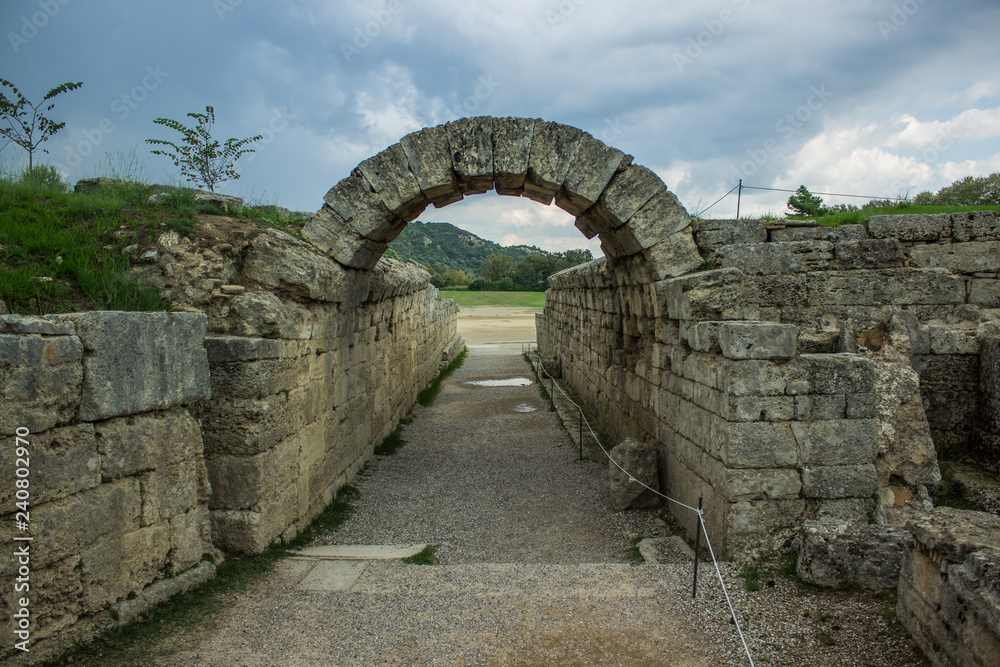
{"x": 61, "y": 251}
{"x": 392, "y": 442}
{"x": 192, "y": 610}
{"x": 468, "y": 299}
{"x": 430, "y": 392}
{"x": 856, "y": 217}
{"x": 424, "y": 557}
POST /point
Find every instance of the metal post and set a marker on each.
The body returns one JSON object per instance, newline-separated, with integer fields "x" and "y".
{"x": 739, "y": 193}
{"x": 697, "y": 547}
{"x": 581, "y": 434}
{"x": 552, "y": 392}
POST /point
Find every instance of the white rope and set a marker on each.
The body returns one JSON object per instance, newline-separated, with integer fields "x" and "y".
{"x": 697, "y": 511}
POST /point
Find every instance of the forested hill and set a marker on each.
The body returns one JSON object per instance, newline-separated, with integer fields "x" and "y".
{"x": 445, "y": 247}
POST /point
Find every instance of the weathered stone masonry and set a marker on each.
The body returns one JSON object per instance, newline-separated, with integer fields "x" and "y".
{"x": 794, "y": 382}
{"x": 153, "y": 446}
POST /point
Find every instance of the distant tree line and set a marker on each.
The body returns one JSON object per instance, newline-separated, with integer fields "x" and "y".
{"x": 502, "y": 274}
{"x": 969, "y": 191}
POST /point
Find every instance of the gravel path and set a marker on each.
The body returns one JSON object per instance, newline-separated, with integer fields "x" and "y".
{"x": 533, "y": 567}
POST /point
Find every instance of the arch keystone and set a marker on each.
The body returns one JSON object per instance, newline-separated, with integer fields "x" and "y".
{"x": 471, "y": 142}
{"x": 511, "y": 149}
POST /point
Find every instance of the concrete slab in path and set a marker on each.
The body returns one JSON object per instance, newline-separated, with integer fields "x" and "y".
{"x": 360, "y": 551}
{"x": 332, "y": 576}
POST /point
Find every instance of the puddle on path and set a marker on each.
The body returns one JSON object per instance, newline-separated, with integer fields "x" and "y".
{"x": 524, "y": 407}
{"x": 506, "y": 382}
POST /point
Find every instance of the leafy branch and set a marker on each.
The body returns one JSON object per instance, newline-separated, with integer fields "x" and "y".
{"x": 25, "y": 119}
{"x": 201, "y": 159}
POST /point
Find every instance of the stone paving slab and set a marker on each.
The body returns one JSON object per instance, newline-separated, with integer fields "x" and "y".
{"x": 360, "y": 551}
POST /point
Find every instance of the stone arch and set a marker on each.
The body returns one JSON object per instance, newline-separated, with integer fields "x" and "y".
{"x": 638, "y": 221}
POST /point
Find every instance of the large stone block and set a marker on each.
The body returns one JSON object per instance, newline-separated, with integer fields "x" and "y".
{"x": 868, "y": 254}
{"x": 356, "y": 204}
{"x": 838, "y": 234}
{"x": 429, "y": 156}
{"x": 259, "y": 379}
{"x": 512, "y": 139}
{"x": 972, "y": 257}
{"x": 120, "y": 565}
{"x": 140, "y": 443}
{"x": 777, "y": 258}
{"x": 839, "y": 554}
{"x": 141, "y": 361}
{"x": 722, "y": 294}
{"x": 471, "y": 142}
{"x": 278, "y": 260}
{"x": 631, "y": 470}
{"x": 713, "y": 234}
{"x": 831, "y": 482}
{"x": 593, "y": 168}
{"x": 757, "y": 340}
{"x": 976, "y": 226}
{"x": 71, "y": 524}
{"x": 64, "y": 461}
{"x": 752, "y": 484}
{"x": 388, "y": 173}
{"x": 330, "y": 232}
{"x": 553, "y": 148}
{"x": 626, "y": 193}
{"x": 845, "y": 442}
{"x": 911, "y": 227}
{"x": 190, "y": 538}
{"x": 906, "y": 286}
{"x": 756, "y": 444}
{"x": 40, "y": 381}
{"x": 172, "y": 490}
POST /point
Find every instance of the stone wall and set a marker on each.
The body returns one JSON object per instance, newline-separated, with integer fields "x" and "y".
{"x": 808, "y": 377}
{"x": 325, "y": 364}
{"x": 949, "y": 587}
{"x": 117, "y": 485}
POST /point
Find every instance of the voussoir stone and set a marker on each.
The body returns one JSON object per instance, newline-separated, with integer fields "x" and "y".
{"x": 429, "y": 155}
{"x": 512, "y": 139}
{"x": 390, "y": 177}
{"x": 553, "y": 147}
{"x": 471, "y": 141}
{"x": 355, "y": 201}
{"x": 594, "y": 166}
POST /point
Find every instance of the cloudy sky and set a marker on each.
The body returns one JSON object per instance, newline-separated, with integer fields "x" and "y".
{"x": 871, "y": 97}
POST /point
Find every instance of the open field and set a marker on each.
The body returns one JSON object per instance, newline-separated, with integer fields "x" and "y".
{"x": 494, "y": 325}
{"x": 468, "y": 299}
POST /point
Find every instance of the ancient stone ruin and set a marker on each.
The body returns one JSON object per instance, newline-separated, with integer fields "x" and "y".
{"x": 797, "y": 376}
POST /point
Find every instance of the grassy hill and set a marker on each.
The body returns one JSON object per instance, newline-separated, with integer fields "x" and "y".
{"x": 445, "y": 247}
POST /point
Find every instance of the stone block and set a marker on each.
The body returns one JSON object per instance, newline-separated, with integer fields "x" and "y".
{"x": 633, "y": 468}
{"x": 722, "y": 294}
{"x": 64, "y": 461}
{"x": 673, "y": 256}
{"x": 593, "y": 168}
{"x": 553, "y": 148}
{"x": 40, "y": 381}
{"x": 713, "y": 234}
{"x": 849, "y": 481}
{"x": 780, "y": 291}
{"x": 702, "y": 336}
{"x": 626, "y": 193}
{"x": 471, "y": 142}
{"x": 141, "y": 361}
{"x": 975, "y": 226}
{"x": 750, "y": 484}
{"x": 359, "y": 208}
{"x": 765, "y": 524}
{"x": 227, "y": 349}
{"x": 260, "y": 379}
{"x": 838, "y": 234}
{"x": 985, "y": 293}
{"x": 843, "y": 442}
{"x": 278, "y": 260}
{"x": 388, "y": 173}
{"x": 757, "y": 340}
{"x": 429, "y": 157}
{"x": 756, "y": 444}
{"x": 841, "y": 373}
{"x": 758, "y": 408}
{"x": 55, "y": 596}
{"x": 972, "y": 257}
{"x": 918, "y": 227}
{"x": 752, "y": 378}
{"x": 906, "y": 286}
{"x": 140, "y": 443}
{"x": 331, "y": 233}
{"x": 238, "y": 532}
{"x": 190, "y": 538}
{"x": 777, "y": 258}
{"x": 173, "y": 489}
{"x": 511, "y": 149}
{"x": 71, "y": 524}
{"x": 28, "y": 324}
{"x": 824, "y": 408}
{"x": 842, "y": 554}
{"x": 868, "y": 254}
{"x": 954, "y": 534}
{"x": 122, "y": 564}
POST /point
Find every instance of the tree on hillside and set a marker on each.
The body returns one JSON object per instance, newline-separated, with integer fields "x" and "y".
{"x": 497, "y": 266}
{"x": 25, "y": 119}
{"x": 971, "y": 191}
{"x": 806, "y": 203}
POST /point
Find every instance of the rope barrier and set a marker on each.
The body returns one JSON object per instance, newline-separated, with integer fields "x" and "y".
{"x": 699, "y": 512}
